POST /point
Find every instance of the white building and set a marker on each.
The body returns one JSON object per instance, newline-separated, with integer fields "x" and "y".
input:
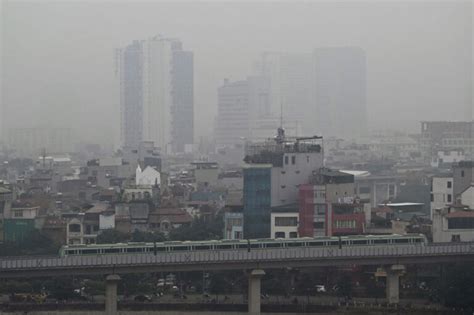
{"x": 284, "y": 224}
{"x": 441, "y": 192}
{"x": 445, "y": 158}
{"x": 147, "y": 177}
{"x": 467, "y": 197}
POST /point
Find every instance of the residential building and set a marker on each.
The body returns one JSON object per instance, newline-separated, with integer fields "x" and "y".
{"x": 441, "y": 192}
{"x": 275, "y": 169}
{"x": 453, "y": 224}
{"x": 328, "y": 205}
{"x": 84, "y": 227}
{"x": 166, "y": 219}
{"x": 6, "y": 198}
{"x": 157, "y": 94}
{"x": 284, "y": 221}
{"x": 446, "y": 158}
{"x": 107, "y": 172}
{"x": 447, "y": 135}
{"x": 233, "y": 225}
{"x": 206, "y": 173}
{"x": 463, "y": 177}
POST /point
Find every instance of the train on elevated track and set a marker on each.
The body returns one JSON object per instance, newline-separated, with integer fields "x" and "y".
{"x": 247, "y": 245}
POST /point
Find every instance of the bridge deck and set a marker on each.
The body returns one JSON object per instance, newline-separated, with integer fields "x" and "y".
{"x": 15, "y": 267}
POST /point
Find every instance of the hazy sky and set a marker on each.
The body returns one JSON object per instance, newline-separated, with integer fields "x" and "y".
{"x": 58, "y": 57}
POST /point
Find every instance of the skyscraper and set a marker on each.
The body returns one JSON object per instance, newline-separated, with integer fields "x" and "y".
{"x": 324, "y": 91}
{"x": 156, "y": 94}
{"x": 340, "y": 91}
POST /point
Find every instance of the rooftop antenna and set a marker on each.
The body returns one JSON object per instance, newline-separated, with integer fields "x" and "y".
{"x": 280, "y": 138}
{"x": 281, "y": 115}
{"x": 44, "y": 157}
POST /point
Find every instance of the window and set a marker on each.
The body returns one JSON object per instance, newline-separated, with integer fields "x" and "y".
{"x": 286, "y": 160}
{"x": 391, "y": 190}
{"x": 449, "y": 198}
{"x": 293, "y": 160}
{"x": 345, "y": 224}
{"x": 320, "y": 209}
{"x": 461, "y": 223}
{"x": 462, "y": 173}
{"x": 432, "y": 197}
{"x": 318, "y": 225}
{"x": 293, "y": 234}
{"x": 75, "y": 228}
{"x": 268, "y": 245}
{"x": 401, "y": 241}
{"x": 364, "y": 190}
{"x": 18, "y": 214}
{"x": 455, "y": 238}
{"x": 279, "y": 234}
{"x": 449, "y": 184}
{"x": 286, "y": 221}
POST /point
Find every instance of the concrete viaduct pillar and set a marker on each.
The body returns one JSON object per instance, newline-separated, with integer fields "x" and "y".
{"x": 111, "y": 282}
{"x": 255, "y": 279}
{"x": 393, "y": 283}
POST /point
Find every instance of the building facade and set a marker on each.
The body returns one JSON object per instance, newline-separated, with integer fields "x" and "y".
{"x": 156, "y": 94}
{"x": 274, "y": 172}
{"x": 441, "y": 192}
{"x": 447, "y": 135}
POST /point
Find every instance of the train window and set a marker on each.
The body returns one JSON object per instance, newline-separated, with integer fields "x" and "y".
{"x": 295, "y": 244}
{"x": 380, "y": 241}
{"x": 333, "y": 243}
{"x": 242, "y": 246}
{"x": 344, "y": 242}
{"x": 359, "y": 242}
{"x": 401, "y": 240}
{"x": 111, "y": 250}
{"x": 202, "y": 247}
{"x": 179, "y": 248}
{"x": 273, "y": 245}
{"x": 224, "y": 247}
{"x": 89, "y": 251}
{"x": 315, "y": 243}
{"x": 133, "y": 250}
{"x": 417, "y": 240}
{"x": 161, "y": 249}
{"x": 255, "y": 245}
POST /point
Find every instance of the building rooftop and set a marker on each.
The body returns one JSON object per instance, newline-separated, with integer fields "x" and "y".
{"x": 461, "y": 214}
{"x": 292, "y": 207}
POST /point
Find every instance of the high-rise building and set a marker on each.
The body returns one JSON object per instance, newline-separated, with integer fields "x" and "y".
{"x": 274, "y": 171}
{"x": 244, "y": 113}
{"x": 340, "y": 91}
{"x": 156, "y": 94}
{"x": 324, "y": 91}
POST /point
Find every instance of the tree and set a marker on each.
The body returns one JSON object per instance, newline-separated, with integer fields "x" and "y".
{"x": 34, "y": 243}
{"x": 455, "y": 286}
{"x": 200, "y": 229}
{"x": 112, "y": 236}
{"x": 139, "y": 236}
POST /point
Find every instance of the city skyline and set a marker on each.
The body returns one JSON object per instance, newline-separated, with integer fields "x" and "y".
{"x": 401, "y": 77}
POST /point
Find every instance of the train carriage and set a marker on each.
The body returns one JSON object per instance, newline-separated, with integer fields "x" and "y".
{"x": 178, "y": 246}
